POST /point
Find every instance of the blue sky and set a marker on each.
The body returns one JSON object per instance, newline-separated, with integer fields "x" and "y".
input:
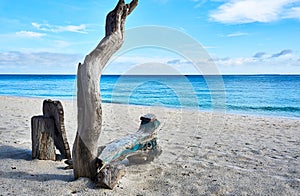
{"x": 241, "y": 36}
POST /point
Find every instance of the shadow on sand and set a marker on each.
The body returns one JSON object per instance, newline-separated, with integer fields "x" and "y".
{"x": 16, "y": 154}
{"x": 11, "y": 152}
{"x": 37, "y": 177}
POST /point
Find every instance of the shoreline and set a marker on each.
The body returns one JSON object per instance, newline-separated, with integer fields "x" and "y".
{"x": 203, "y": 153}
{"x": 74, "y": 74}
{"x": 266, "y": 96}
{"x": 225, "y": 112}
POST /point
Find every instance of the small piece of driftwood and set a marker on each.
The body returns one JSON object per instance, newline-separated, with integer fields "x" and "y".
{"x": 42, "y": 138}
{"x": 109, "y": 176}
{"x": 140, "y": 147}
{"x": 48, "y": 132}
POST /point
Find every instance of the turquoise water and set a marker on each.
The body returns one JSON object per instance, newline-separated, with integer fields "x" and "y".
{"x": 276, "y": 95}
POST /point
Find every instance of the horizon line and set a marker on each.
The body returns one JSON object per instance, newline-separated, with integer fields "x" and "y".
{"x": 69, "y": 74}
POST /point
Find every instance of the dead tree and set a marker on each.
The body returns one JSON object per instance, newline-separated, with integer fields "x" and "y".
{"x": 88, "y": 95}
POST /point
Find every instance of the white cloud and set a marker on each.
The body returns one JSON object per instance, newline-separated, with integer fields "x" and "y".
{"x": 61, "y": 44}
{"x": 199, "y": 3}
{"x": 293, "y": 13}
{"x": 235, "y": 61}
{"x": 210, "y": 47}
{"x": 39, "y": 62}
{"x": 248, "y": 11}
{"x": 72, "y": 28}
{"x": 237, "y": 34}
{"x": 149, "y": 65}
{"x": 56, "y": 29}
{"x": 29, "y": 34}
{"x": 280, "y": 62}
{"x": 283, "y": 62}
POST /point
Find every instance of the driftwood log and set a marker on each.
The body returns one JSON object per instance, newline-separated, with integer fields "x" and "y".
{"x": 48, "y": 131}
{"x": 142, "y": 140}
{"x": 88, "y": 94}
{"x": 139, "y": 148}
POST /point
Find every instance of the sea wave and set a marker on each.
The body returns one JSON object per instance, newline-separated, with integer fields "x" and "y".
{"x": 264, "y": 108}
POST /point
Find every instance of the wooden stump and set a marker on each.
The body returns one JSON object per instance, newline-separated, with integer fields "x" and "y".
{"x": 54, "y": 110}
{"x": 48, "y": 132}
{"x": 42, "y": 138}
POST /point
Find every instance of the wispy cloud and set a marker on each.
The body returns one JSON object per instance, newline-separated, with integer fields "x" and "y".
{"x": 199, "y": 3}
{"x": 261, "y": 59}
{"x": 294, "y": 12}
{"x": 29, "y": 34}
{"x": 237, "y": 34}
{"x": 61, "y": 44}
{"x": 282, "y": 53}
{"x": 248, "y": 11}
{"x": 150, "y": 65}
{"x": 285, "y": 61}
{"x": 174, "y": 61}
{"x": 239, "y": 61}
{"x": 259, "y": 55}
{"x": 210, "y": 47}
{"x": 56, "y": 28}
{"x": 39, "y": 62}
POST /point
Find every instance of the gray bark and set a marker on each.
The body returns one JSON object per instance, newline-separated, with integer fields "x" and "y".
{"x": 88, "y": 94}
{"x": 42, "y": 131}
{"x": 48, "y": 131}
{"x": 54, "y": 110}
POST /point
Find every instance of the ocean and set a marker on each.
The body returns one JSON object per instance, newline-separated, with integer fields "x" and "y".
{"x": 271, "y": 95}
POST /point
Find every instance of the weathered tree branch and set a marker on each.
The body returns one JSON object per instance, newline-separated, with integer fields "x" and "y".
{"x": 88, "y": 94}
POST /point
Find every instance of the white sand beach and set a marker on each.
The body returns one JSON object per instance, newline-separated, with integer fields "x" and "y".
{"x": 203, "y": 153}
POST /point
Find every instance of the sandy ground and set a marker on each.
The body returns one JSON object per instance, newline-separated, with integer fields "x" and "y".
{"x": 203, "y": 153}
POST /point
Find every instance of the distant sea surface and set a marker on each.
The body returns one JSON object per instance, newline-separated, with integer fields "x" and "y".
{"x": 274, "y": 95}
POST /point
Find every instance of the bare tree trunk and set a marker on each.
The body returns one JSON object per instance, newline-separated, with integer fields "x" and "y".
{"x": 88, "y": 95}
